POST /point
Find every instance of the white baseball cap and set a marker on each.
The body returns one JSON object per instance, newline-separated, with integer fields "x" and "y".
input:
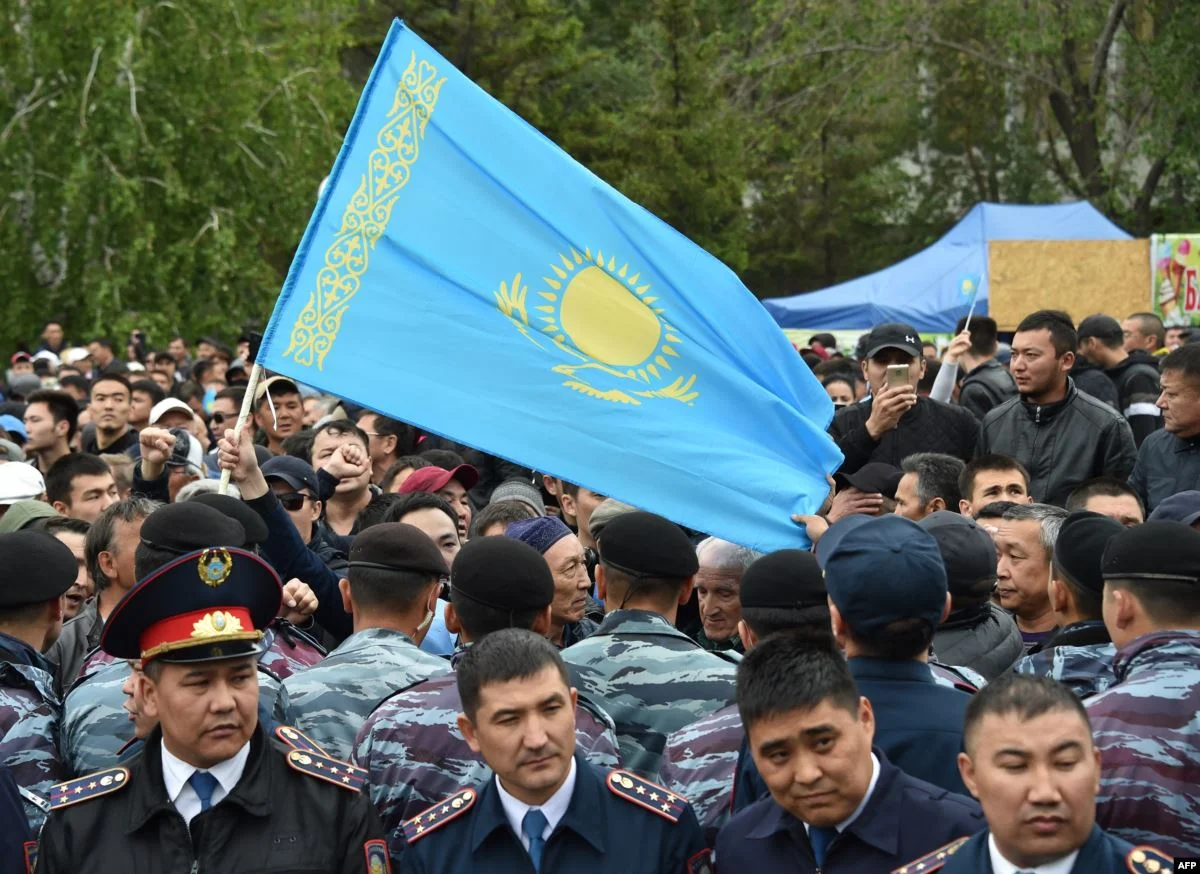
{"x": 20, "y": 482}
{"x": 165, "y": 406}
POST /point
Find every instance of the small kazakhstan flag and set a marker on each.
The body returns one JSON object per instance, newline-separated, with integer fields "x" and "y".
{"x": 464, "y": 274}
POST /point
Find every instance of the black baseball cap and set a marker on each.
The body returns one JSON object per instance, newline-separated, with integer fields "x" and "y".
{"x": 296, "y": 472}
{"x": 873, "y": 478}
{"x": 968, "y": 552}
{"x": 894, "y": 335}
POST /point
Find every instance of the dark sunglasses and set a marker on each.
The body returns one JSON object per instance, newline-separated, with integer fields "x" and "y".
{"x": 292, "y": 501}
{"x": 220, "y": 418}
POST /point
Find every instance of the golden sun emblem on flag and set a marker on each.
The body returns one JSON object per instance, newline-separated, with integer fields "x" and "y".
{"x": 603, "y": 318}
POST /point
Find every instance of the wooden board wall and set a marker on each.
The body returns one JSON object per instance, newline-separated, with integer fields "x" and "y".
{"x": 1079, "y": 276}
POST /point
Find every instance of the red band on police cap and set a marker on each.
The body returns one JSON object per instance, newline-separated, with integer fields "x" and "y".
{"x": 213, "y": 625}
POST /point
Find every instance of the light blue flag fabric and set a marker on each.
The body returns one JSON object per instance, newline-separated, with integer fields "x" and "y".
{"x": 464, "y": 274}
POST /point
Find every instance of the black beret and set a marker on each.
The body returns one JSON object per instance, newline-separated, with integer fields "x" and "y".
{"x": 646, "y": 545}
{"x": 1080, "y": 547}
{"x": 399, "y": 547}
{"x": 227, "y": 505}
{"x": 503, "y": 573}
{"x": 1160, "y": 550}
{"x": 789, "y": 579}
{"x": 190, "y": 526}
{"x": 37, "y": 567}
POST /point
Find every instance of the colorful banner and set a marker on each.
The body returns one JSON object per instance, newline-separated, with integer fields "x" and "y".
{"x": 1175, "y": 287}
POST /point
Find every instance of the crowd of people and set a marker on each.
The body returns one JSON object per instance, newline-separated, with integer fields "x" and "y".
{"x": 385, "y": 651}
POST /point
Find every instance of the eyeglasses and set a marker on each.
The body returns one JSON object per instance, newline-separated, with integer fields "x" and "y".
{"x": 292, "y": 501}
{"x": 219, "y": 418}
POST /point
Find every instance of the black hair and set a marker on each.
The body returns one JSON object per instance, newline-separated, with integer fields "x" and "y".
{"x": 110, "y": 377}
{"x": 995, "y": 510}
{"x": 299, "y": 445}
{"x": 811, "y": 621}
{"x": 1185, "y": 359}
{"x": 413, "y": 501}
{"x": 937, "y": 477}
{"x": 1059, "y": 324}
{"x": 985, "y": 335}
{"x": 1150, "y": 323}
{"x": 56, "y": 524}
{"x": 235, "y": 393}
{"x": 444, "y": 458}
{"x": 101, "y": 341}
{"x": 1088, "y": 603}
{"x": 847, "y": 378}
{"x": 416, "y": 462}
{"x": 1168, "y": 604}
{"x": 827, "y": 340}
{"x": 1028, "y": 696}
{"x": 406, "y": 438}
{"x": 189, "y": 391}
{"x": 200, "y": 369}
{"x": 787, "y": 672}
{"x": 101, "y": 537}
{"x": 480, "y": 620}
{"x": 899, "y": 640}
{"x": 992, "y": 462}
{"x": 1104, "y": 328}
{"x": 373, "y": 513}
{"x": 150, "y": 387}
{"x": 341, "y": 428}
{"x": 1101, "y": 486}
{"x": 836, "y": 367}
{"x": 501, "y": 512}
{"x": 147, "y": 558}
{"x": 500, "y": 657}
{"x": 388, "y": 589}
{"x": 73, "y": 380}
{"x": 63, "y": 472}
{"x": 62, "y": 407}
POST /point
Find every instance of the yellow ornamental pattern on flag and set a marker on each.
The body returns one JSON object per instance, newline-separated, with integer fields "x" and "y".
{"x": 389, "y": 168}
{"x": 607, "y": 324}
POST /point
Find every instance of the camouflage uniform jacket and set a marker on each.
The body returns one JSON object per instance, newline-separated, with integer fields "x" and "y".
{"x": 29, "y": 723}
{"x": 97, "y": 731}
{"x": 1148, "y": 735}
{"x": 1087, "y": 668}
{"x": 331, "y": 700}
{"x": 652, "y": 679}
{"x": 699, "y": 762}
{"x": 415, "y": 755}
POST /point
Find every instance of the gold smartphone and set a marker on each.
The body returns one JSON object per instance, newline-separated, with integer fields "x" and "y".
{"x": 897, "y": 374}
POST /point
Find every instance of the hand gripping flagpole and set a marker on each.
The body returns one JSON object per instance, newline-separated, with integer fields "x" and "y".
{"x": 243, "y": 416}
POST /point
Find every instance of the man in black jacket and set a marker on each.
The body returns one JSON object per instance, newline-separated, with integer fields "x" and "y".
{"x": 986, "y": 383}
{"x": 1061, "y": 435}
{"x": 894, "y": 422}
{"x": 1133, "y": 374}
{"x": 211, "y": 790}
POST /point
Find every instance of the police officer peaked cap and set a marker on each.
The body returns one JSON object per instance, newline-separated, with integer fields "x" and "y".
{"x": 502, "y": 573}
{"x": 227, "y": 505}
{"x": 1165, "y": 551}
{"x": 646, "y": 545}
{"x": 189, "y": 526}
{"x": 34, "y": 567}
{"x": 789, "y": 579}
{"x": 398, "y": 547}
{"x": 206, "y": 605}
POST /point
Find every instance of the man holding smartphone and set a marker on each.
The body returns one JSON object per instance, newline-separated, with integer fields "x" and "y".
{"x": 894, "y": 422}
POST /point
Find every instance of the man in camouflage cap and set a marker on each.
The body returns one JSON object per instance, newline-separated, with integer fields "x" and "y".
{"x": 395, "y": 576}
{"x": 1145, "y": 725}
{"x": 647, "y": 674}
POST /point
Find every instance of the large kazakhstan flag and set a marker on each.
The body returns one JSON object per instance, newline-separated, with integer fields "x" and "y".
{"x": 464, "y": 274}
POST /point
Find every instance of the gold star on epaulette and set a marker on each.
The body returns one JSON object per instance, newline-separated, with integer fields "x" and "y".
{"x": 333, "y": 771}
{"x": 1148, "y": 860}
{"x": 88, "y": 787}
{"x": 437, "y": 816}
{"x": 298, "y": 740}
{"x": 646, "y": 795}
{"x": 932, "y": 861}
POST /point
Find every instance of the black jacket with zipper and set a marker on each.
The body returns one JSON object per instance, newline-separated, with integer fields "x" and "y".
{"x": 1061, "y": 444}
{"x": 930, "y": 426}
{"x": 275, "y": 821}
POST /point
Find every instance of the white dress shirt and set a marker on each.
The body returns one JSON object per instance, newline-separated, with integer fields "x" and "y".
{"x": 1001, "y": 865}
{"x": 841, "y": 826}
{"x": 177, "y": 772}
{"x": 554, "y": 809}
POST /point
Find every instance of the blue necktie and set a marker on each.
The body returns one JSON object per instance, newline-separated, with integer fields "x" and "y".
{"x": 204, "y": 785}
{"x": 533, "y": 826}
{"x": 820, "y": 839}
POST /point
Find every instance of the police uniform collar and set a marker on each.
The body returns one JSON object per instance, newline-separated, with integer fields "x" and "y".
{"x": 1156, "y": 649}
{"x": 890, "y": 669}
{"x": 586, "y": 815}
{"x": 619, "y": 620}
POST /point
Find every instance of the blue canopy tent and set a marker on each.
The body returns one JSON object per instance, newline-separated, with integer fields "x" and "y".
{"x": 926, "y": 290}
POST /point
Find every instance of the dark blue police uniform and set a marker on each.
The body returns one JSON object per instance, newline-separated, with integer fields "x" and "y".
{"x": 904, "y": 818}
{"x": 1101, "y": 854}
{"x": 918, "y": 723}
{"x": 16, "y": 843}
{"x": 615, "y": 822}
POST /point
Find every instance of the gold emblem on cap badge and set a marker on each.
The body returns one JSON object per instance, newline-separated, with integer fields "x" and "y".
{"x": 216, "y": 624}
{"x": 214, "y": 566}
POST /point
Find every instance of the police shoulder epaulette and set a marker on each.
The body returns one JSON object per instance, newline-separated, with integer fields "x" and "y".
{"x": 1148, "y": 860}
{"x": 333, "y": 771}
{"x": 298, "y": 740}
{"x": 931, "y": 861}
{"x": 643, "y": 793}
{"x": 437, "y": 816}
{"x": 89, "y": 787}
